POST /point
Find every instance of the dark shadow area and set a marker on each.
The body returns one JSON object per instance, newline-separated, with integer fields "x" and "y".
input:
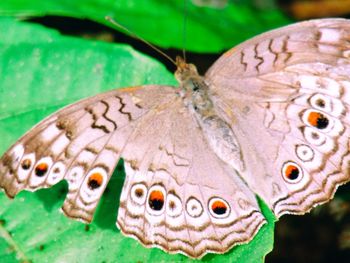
{"x": 107, "y": 210}
{"x": 54, "y": 195}
{"x": 90, "y": 29}
{"x": 315, "y": 237}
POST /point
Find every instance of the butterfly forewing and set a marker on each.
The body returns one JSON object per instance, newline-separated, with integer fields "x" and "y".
{"x": 82, "y": 144}
{"x": 287, "y": 92}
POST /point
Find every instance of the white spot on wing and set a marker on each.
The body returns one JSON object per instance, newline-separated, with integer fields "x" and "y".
{"x": 59, "y": 144}
{"x": 50, "y": 132}
{"x": 56, "y": 173}
{"x": 74, "y": 177}
{"x": 17, "y": 153}
{"x": 329, "y": 35}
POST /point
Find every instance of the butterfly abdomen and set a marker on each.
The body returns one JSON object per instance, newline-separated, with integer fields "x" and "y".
{"x": 217, "y": 131}
{"x": 223, "y": 141}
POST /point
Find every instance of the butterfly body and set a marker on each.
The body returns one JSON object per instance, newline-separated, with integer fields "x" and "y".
{"x": 197, "y": 98}
{"x": 269, "y": 118}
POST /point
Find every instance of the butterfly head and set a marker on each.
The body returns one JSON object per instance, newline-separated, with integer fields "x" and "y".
{"x": 184, "y": 70}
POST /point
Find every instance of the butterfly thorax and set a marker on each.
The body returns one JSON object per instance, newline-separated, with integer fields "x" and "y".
{"x": 197, "y": 98}
{"x": 194, "y": 90}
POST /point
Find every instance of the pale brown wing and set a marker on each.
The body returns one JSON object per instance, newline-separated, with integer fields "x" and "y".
{"x": 176, "y": 188}
{"x": 178, "y": 195}
{"x": 286, "y": 95}
{"x": 244, "y": 70}
{"x": 82, "y": 144}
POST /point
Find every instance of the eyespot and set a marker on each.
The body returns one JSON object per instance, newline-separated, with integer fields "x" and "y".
{"x": 28, "y": 159}
{"x": 193, "y": 207}
{"x": 314, "y": 137}
{"x": 156, "y": 199}
{"x": 41, "y": 169}
{"x": 322, "y": 102}
{"x": 218, "y": 207}
{"x": 95, "y": 180}
{"x": 304, "y": 152}
{"x": 93, "y": 185}
{"x": 173, "y": 205}
{"x": 291, "y": 172}
{"x": 317, "y": 119}
{"x": 74, "y": 176}
{"x": 138, "y": 193}
{"x": 26, "y": 164}
{"x": 57, "y": 173}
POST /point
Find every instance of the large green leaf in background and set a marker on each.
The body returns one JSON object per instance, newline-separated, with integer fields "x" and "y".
{"x": 41, "y": 71}
{"x": 161, "y": 22}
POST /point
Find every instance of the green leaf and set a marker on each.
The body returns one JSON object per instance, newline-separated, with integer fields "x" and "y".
{"x": 41, "y": 71}
{"x": 162, "y": 22}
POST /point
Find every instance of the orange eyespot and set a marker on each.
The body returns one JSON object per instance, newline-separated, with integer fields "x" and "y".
{"x": 292, "y": 172}
{"x": 156, "y": 200}
{"x": 219, "y": 207}
{"x": 318, "y": 120}
{"x": 41, "y": 169}
{"x": 95, "y": 180}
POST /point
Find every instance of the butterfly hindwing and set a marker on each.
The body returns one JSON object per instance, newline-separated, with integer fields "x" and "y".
{"x": 178, "y": 189}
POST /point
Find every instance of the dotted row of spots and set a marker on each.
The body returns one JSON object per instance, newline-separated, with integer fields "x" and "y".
{"x": 42, "y": 168}
{"x": 39, "y": 170}
{"x": 292, "y": 172}
{"x": 94, "y": 180}
{"x": 157, "y": 200}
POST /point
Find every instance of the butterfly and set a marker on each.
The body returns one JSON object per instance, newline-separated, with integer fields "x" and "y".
{"x": 270, "y": 118}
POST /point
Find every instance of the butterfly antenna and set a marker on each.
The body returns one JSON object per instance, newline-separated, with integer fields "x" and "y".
{"x": 184, "y": 31}
{"x": 133, "y": 35}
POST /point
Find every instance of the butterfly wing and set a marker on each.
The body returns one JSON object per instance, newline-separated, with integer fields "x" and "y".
{"x": 175, "y": 190}
{"x": 82, "y": 144}
{"x": 286, "y": 95}
{"x": 178, "y": 195}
